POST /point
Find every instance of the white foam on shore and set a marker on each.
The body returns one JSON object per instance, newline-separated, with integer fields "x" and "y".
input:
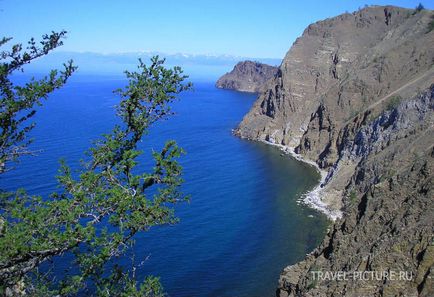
{"x": 312, "y": 198}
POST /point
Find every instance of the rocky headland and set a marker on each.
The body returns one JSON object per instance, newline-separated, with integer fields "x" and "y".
{"x": 247, "y": 76}
{"x": 355, "y": 95}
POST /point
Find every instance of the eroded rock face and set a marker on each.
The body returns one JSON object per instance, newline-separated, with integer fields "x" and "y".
{"x": 247, "y": 76}
{"x": 388, "y": 220}
{"x": 355, "y": 94}
{"x": 345, "y": 64}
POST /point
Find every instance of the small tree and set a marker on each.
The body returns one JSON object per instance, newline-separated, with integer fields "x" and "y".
{"x": 419, "y": 7}
{"x": 430, "y": 25}
{"x": 393, "y": 102}
{"x": 17, "y": 102}
{"x": 94, "y": 217}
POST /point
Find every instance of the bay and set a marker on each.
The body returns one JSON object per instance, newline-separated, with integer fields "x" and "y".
{"x": 243, "y": 224}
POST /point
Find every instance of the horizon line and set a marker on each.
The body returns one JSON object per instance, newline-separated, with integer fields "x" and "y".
{"x": 185, "y": 54}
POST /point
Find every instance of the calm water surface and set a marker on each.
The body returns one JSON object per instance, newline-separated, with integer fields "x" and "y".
{"x": 242, "y": 225}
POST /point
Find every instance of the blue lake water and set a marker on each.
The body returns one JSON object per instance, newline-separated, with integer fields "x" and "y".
{"x": 242, "y": 225}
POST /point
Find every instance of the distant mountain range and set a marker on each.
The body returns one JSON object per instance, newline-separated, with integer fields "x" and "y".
{"x": 197, "y": 65}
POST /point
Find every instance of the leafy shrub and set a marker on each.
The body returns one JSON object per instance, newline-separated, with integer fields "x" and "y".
{"x": 353, "y": 197}
{"x": 431, "y": 24}
{"x": 418, "y": 8}
{"x": 393, "y": 102}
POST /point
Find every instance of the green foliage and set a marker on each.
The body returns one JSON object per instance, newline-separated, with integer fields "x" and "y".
{"x": 353, "y": 197}
{"x": 391, "y": 173}
{"x": 313, "y": 281}
{"x": 430, "y": 25}
{"x": 419, "y": 7}
{"x": 352, "y": 115}
{"x": 393, "y": 102}
{"x": 95, "y": 216}
{"x": 17, "y": 103}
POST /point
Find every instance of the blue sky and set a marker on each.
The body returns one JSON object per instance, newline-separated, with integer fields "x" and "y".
{"x": 235, "y": 27}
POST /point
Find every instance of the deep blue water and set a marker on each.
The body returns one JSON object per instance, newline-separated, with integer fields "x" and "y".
{"x": 242, "y": 225}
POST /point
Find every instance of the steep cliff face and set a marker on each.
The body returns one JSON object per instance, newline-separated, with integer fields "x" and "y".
{"x": 247, "y": 76}
{"x": 337, "y": 68}
{"x": 386, "y": 174}
{"x": 355, "y": 94}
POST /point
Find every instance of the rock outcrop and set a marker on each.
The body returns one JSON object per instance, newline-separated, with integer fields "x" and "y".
{"x": 355, "y": 94}
{"x": 247, "y": 76}
{"x": 386, "y": 170}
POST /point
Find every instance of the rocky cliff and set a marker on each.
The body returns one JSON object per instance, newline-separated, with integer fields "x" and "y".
{"x": 355, "y": 94}
{"x": 385, "y": 172}
{"x": 247, "y": 76}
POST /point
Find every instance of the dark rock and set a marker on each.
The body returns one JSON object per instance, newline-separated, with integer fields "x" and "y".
{"x": 247, "y": 76}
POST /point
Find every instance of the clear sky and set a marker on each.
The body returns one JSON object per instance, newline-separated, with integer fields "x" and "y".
{"x": 248, "y": 28}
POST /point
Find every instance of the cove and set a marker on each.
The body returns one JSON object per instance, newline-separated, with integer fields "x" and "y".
{"x": 242, "y": 225}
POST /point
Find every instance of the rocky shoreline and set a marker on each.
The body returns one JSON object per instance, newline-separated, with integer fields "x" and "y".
{"x": 354, "y": 97}
{"x": 313, "y": 197}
